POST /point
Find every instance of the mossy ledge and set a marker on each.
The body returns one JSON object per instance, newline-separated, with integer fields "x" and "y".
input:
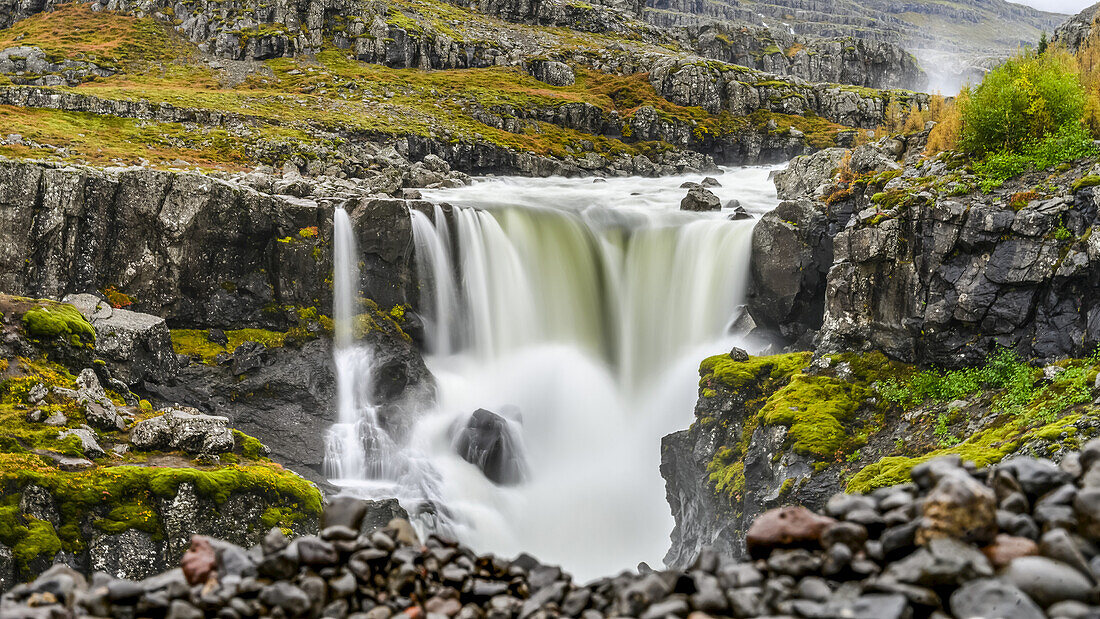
{"x": 795, "y": 428}
{"x": 68, "y": 499}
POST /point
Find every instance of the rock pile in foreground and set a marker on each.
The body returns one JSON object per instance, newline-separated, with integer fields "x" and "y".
{"x": 1018, "y": 540}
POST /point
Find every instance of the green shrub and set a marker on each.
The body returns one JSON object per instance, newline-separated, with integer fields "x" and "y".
{"x": 1069, "y": 143}
{"x": 1024, "y": 99}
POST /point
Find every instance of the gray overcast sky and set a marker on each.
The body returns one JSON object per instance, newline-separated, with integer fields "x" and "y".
{"x": 1058, "y": 6}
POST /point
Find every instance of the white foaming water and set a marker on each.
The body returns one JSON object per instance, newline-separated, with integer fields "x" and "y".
{"x": 580, "y": 311}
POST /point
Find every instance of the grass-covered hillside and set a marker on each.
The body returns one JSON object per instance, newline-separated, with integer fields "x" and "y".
{"x": 113, "y": 88}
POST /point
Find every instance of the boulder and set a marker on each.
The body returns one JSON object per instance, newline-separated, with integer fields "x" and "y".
{"x": 700, "y": 199}
{"x": 138, "y": 346}
{"x": 990, "y": 597}
{"x": 185, "y": 429}
{"x": 959, "y": 507}
{"x": 792, "y": 252}
{"x": 785, "y": 527}
{"x": 807, "y": 174}
{"x": 552, "y": 72}
{"x": 487, "y": 441}
{"x": 88, "y": 441}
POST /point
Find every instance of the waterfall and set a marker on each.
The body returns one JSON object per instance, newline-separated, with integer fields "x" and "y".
{"x": 345, "y": 452}
{"x": 576, "y": 314}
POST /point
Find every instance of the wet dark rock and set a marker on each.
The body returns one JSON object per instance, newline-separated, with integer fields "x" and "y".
{"x": 700, "y": 199}
{"x": 487, "y": 441}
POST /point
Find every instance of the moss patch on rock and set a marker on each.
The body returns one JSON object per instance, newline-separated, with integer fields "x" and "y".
{"x": 58, "y": 320}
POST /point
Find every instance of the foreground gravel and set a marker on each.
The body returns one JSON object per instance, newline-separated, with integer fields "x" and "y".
{"x": 1018, "y": 541}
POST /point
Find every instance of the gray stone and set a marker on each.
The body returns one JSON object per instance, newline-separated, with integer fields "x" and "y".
{"x": 982, "y": 599}
{"x": 88, "y": 441}
{"x": 185, "y": 429}
{"x": 700, "y": 199}
{"x": 1047, "y": 581}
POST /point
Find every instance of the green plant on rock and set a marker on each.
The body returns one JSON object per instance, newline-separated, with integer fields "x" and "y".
{"x": 58, "y": 320}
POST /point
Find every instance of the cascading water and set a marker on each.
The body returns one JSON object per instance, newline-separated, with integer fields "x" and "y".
{"x": 345, "y": 454}
{"x": 579, "y": 312}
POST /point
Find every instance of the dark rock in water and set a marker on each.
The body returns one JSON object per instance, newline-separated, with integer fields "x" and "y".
{"x": 710, "y": 181}
{"x": 344, "y": 511}
{"x": 792, "y": 252}
{"x": 378, "y": 514}
{"x": 486, "y": 441}
{"x": 739, "y": 213}
{"x": 700, "y": 199}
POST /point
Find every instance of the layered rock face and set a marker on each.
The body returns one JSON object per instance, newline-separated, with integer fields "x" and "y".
{"x": 928, "y": 271}
{"x": 949, "y": 282}
{"x": 1077, "y": 29}
{"x": 741, "y": 91}
{"x": 856, "y": 61}
{"x": 191, "y": 248}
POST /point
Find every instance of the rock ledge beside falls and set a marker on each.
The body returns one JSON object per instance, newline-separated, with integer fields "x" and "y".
{"x": 1014, "y": 540}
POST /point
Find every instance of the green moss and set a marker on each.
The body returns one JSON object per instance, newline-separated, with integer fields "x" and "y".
{"x": 249, "y": 446}
{"x": 58, "y": 320}
{"x": 815, "y": 408}
{"x": 196, "y": 343}
{"x": 40, "y": 539}
{"x": 1085, "y": 182}
{"x": 984, "y": 448}
{"x": 131, "y": 516}
{"x": 734, "y": 374}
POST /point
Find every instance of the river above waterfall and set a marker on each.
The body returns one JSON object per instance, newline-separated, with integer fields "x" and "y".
{"x": 577, "y": 310}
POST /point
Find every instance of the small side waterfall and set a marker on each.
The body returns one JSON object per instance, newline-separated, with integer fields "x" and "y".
{"x": 345, "y": 453}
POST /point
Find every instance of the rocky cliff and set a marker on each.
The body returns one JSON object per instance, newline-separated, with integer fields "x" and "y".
{"x": 196, "y": 249}
{"x": 99, "y": 480}
{"x": 925, "y": 268}
{"x": 791, "y": 429}
{"x": 352, "y": 91}
{"x": 953, "y": 41}
{"x": 851, "y": 60}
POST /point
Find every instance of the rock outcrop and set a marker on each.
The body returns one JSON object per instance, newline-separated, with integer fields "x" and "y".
{"x": 138, "y": 346}
{"x": 188, "y": 247}
{"x": 794, "y": 428}
{"x": 942, "y": 279}
{"x": 1077, "y": 30}
{"x": 856, "y": 61}
{"x": 97, "y": 481}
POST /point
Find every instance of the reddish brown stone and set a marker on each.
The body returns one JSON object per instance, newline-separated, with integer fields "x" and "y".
{"x": 200, "y": 561}
{"x": 1005, "y": 548}
{"x": 785, "y": 527}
